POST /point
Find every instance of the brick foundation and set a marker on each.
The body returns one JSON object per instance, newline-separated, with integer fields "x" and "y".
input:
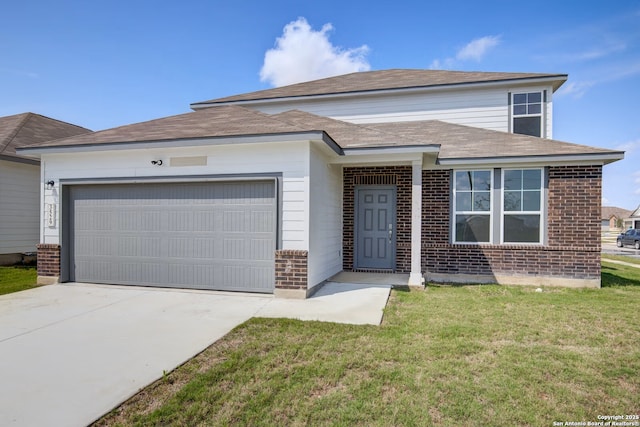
{"x": 572, "y": 250}
{"x": 48, "y": 263}
{"x": 400, "y": 176}
{"x": 291, "y": 272}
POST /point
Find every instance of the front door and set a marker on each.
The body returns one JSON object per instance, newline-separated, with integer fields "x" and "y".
{"x": 375, "y": 227}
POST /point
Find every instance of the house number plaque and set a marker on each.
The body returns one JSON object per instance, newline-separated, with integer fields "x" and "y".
{"x": 50, "y": 215}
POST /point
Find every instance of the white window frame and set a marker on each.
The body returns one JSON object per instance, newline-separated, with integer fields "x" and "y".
{"x": 541, "y": 212}
{"x": 489, "y": 213}
{"x": 513, "y": 116}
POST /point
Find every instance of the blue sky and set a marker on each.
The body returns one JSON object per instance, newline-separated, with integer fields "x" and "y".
{"x": 110, "y": 63}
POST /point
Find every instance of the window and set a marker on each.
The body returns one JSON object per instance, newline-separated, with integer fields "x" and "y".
{"x": 472, "y": 206}
{"x": 527, "y": 113}
{"x": 522, "y": 206}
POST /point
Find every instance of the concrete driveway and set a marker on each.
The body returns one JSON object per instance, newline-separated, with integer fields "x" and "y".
{"x": 70, "y": 353}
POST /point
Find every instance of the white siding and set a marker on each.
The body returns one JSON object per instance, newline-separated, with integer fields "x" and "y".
{"x": 19, "y": 207}
{"x": 288, "y": 158}
{"x": 325, "y": 219}
{"x": 486, "y": 108}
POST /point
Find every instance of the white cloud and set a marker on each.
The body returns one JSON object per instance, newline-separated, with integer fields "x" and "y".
{"x": 575, "y": 89}
{"x": 475, "y": 50}
{"x": 478, "y": 48}
{"x": 629, "y": 147}
{"x": 302, "y": 54}
{"x": 605, "y": 201}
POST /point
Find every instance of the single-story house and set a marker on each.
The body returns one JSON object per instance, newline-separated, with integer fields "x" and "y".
{"x": 633, "y": 220}
{"x": 20, "y": 181}
{"x": 442, "y": 175}
{"x": 612, "y": 216}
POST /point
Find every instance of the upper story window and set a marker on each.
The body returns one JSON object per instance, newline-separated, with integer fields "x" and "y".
{"x": 527, "y": 113}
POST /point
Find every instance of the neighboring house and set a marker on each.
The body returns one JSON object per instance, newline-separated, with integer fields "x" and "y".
{"x": 612, "y": 216}
{"x": 451, "y": 176}
{"x": 633, "y": 220}
{"x": 20, "y": 181}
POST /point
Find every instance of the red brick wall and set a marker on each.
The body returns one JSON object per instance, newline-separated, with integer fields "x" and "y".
{"x": 573, "y": 232}
{"x": 574, "y": 206}
{"x": 291, "y": 269}
{"x": 48, "y": 260}
{"x": 401, "y": 176}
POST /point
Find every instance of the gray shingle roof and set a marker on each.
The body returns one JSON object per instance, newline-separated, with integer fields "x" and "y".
{"x": 462, "y": 142}
{"x": 455, "y": 141}
{"x": 25, "y": 129}
{"x": 609, "y": 211}
{"x": 382, "y": 80}
{"x": 211, "y": 122}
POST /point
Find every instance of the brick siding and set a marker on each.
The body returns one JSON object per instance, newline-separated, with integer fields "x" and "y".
{"x": 573, "y": 232}
{"x": 291, "y": 269}
{"x": 48, "y": 260}
{"x": 401, "y": 176}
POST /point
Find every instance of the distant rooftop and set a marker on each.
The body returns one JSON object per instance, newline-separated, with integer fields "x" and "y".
{"x": 25, "y": 129}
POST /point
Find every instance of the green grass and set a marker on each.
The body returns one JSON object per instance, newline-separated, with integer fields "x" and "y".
{"x": 628, "y": 259}
{"x": 14, "y": 279}
{"x": 452, "y": 355}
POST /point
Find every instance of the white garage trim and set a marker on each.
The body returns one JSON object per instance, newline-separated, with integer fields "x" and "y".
{"x": 192, "y": 232}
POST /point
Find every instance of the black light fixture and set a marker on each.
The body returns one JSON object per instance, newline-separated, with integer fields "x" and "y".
{"x": 156, "y": 162}
{"x": 50, "y": 184}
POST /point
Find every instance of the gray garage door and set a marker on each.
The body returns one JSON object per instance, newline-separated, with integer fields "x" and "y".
{"x": 218, "y": 236}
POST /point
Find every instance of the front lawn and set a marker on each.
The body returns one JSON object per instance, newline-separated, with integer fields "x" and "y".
{"x": 14, "y": 279}
{"x": 624, "y": 258}
{"x": 465, "y": 355}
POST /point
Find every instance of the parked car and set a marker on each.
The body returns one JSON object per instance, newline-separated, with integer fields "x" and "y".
{"x": 629, "y": 237}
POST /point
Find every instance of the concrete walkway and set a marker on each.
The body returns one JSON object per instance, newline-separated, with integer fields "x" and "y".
{"x": 70, "y": 353}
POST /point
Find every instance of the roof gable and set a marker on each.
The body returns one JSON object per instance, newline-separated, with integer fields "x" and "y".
{"x": 382, "y": 80}
{"x": 25, "y": 129}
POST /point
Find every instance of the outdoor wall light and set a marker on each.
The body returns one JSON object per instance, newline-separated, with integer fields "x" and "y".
{"x": 156, "y": 162}
{"x": 50, "y": 184}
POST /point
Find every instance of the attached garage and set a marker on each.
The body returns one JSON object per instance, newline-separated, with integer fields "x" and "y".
{"x": 198, "y": 235}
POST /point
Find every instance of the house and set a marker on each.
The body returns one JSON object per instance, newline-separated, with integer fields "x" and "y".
{"x": 441, "y": 175}
{"x": 633, "y": 219}
{"x": 612, "y": 218}
{"x": 20, "y": 181}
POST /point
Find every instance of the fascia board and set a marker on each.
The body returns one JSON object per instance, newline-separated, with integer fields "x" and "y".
{"x": 188, "y": 142}
{"x": 577, "y": 159}
{"x": 22, "y": 160}
{"x": 407, "y": 149}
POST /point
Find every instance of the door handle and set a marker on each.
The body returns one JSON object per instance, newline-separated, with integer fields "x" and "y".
{"x": 390, "y": 232}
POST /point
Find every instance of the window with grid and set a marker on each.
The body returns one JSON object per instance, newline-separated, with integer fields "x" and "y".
{"x": 472, "y": 206}
{"x": 522, "y": 205}
{"x": 527, "y": 113}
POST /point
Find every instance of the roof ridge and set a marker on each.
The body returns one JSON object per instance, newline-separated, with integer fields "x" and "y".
{"x": 59, "y": 121}
{"x": 278, "y": 117}
{"x": 350, "y": 124}
{"x": 15, "y": 131}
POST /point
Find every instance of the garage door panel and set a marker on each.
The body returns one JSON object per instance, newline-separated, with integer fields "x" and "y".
{"x": 202, "y": 235}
